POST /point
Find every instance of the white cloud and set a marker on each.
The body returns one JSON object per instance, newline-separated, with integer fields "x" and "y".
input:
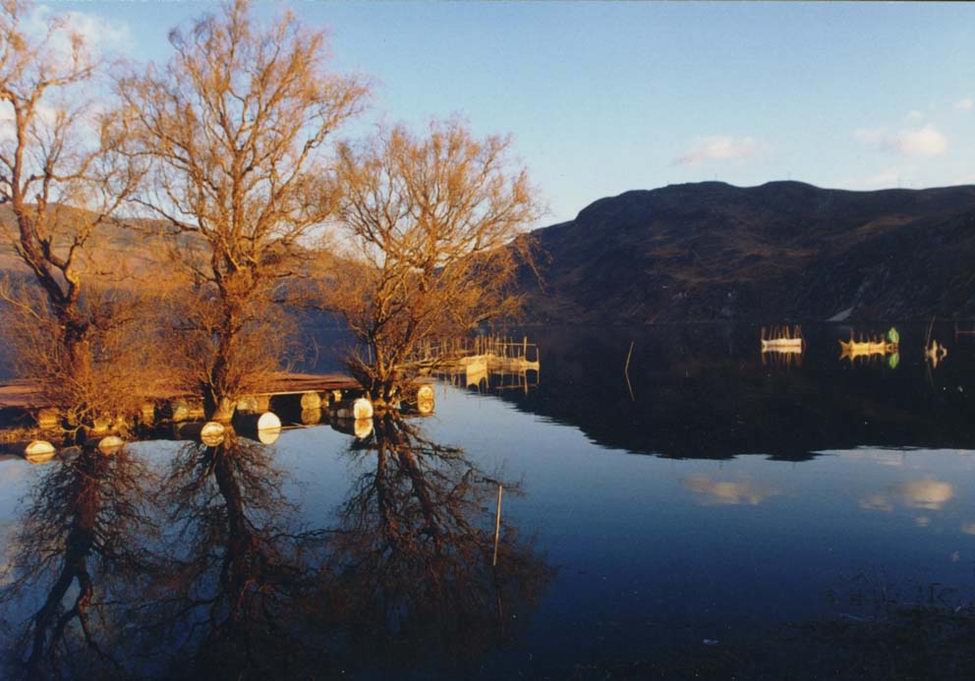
{"x": 718, "y": 148}
{"x": 914, "y": 116}
{"x": 965, "y": 104}
{"x": 99, "y": 35}
{"x": 925, "y": 141}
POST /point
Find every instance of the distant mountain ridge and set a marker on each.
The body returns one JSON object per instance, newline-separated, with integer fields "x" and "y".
{"x": 779, "y": 251}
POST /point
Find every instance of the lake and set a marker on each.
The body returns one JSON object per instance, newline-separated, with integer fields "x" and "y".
{"x": 675, "y": 504}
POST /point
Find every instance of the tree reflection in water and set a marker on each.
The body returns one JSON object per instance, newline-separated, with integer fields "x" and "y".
{"x": 206, "y": 570}
{"x": 409, "y": 575}
{"x": 76, "y": 562}
{"x": 233, "y": 602}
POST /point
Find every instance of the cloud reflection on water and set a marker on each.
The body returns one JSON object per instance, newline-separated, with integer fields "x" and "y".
{"x": 927, "y": 494}
{"x": 729, "y": 492}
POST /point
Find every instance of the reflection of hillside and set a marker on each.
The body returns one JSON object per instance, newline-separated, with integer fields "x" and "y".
{"x": 701, "y": 391}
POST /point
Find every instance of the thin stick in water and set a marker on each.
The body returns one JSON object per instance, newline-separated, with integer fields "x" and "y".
{"x": 497, "y": 526}
{"x": 626, "y": 372}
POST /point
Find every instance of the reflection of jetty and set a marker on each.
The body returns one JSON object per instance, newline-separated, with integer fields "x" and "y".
{"x": 935, "y": 353}
{"x": 284, "y": 400}
{"x": 960, "y": 332}
{"x": 870, "y": 347}
{"x": 783, "y": 340}
{"x": 485, "y": 362}
{"x": 854, "y": 348}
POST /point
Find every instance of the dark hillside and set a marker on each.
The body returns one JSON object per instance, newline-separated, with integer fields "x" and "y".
{"x": 781, "y": 250}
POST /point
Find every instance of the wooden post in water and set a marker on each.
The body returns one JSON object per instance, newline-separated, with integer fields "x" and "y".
{"x": 626, "y": 372}
{"x": 497, "y": 526}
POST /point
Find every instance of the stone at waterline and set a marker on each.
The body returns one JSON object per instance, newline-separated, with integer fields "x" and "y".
{"x": 425, "y": 401}
{"x": 360, "y": 408}
{"x": 362, "y": 428}
{"x": 39, "y": 451}
{"x": 311, "y": 400}
{"x": 254, "y": 403}
{"x": 311, "y": 416}
{"x": 48, "y": 419}
{"x": 179, "y": 412}
{"x": 247, "y": 403}
{"x": 110, "y": 445}
{"x": 101, "y": 424}
{"x": 199, "y": 430}
{"x": 265, "y": 428}
{"x": 212, "y": 433}
{"x": 185, "y": 410}
{"x": 268, "y": 421}
{"x": 359, "y": 428}
{"x": 268, "y": 436}
{"x": 147, "y": 413}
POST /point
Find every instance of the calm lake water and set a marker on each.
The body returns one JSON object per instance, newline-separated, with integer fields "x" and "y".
{"x": 718, "y": 515}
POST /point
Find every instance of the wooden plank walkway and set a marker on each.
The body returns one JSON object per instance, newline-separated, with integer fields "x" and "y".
{"x": 20, "y": 394}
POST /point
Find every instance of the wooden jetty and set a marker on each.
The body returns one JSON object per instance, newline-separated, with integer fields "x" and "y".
{"x": 473, "y": 362}
{"x": 783, "y": 340}
{"x": 21, "y": 394}
{"x": 22, "y": 403}
{"x": 300, "y": 397}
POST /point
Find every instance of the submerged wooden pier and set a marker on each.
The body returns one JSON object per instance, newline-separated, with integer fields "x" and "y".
{"x": 22, "y": 403}
{"x": 21, "y": 394}
{"x": 290, "y": 398}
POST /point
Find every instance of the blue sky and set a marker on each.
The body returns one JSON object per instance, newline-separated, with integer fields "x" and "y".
{"x": 606, "y": 97}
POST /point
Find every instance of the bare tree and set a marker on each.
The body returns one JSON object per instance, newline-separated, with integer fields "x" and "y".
{"x": 435, "y": 226}
{"x": 62, "y": 181}
{"x": 232, "y": 127}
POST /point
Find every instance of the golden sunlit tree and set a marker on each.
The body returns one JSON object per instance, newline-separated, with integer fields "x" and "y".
{"x": 61, "y": 184}
{"x": 433, "y": 227}
{"x": 235, "y": 129}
